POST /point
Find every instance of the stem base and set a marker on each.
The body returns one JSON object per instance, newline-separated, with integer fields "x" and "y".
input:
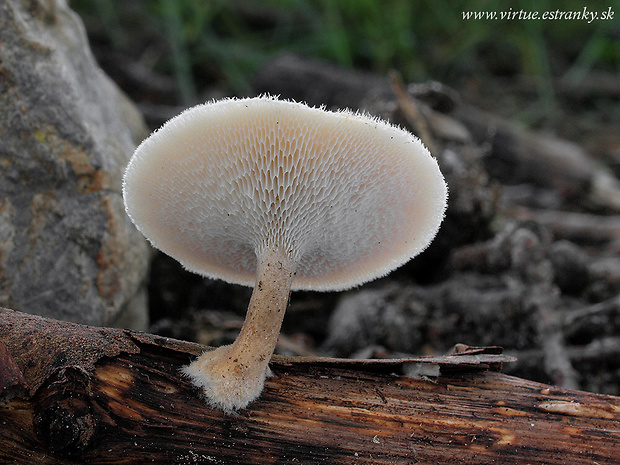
{"x": 226, "y": 385}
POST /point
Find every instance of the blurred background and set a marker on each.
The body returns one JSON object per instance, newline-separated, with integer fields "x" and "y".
{"x": 558, "y": 77}
{"x": 179, "y": 52}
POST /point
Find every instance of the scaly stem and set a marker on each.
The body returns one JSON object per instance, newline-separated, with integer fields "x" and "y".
{"x": 233, "y": 376}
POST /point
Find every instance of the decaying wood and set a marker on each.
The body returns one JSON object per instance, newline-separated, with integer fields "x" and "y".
{"x": 556, "y": 360}
{"x": 78, "y": 394}
{"x": 412, "y": 112}
{"x": 581, "y": 228}
{"x": 542, "y": 159}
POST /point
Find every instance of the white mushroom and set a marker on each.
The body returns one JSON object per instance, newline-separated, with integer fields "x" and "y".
{"x": 280, "y": 196}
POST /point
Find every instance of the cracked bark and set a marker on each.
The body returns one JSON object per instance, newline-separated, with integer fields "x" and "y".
{"x": 99, "y": 395}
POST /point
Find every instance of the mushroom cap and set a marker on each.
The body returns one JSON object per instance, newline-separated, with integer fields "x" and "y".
{"x": 348, "y": 196}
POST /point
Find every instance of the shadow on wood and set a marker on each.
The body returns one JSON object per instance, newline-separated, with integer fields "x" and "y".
{"x": 79, "y": 394}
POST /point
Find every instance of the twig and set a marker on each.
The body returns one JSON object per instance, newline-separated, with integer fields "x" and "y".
{"x": 574, "y": 320}
{"x": 411, "y": 111}
{"x": 556, "y": 361}
{"x": 577, "y": 227}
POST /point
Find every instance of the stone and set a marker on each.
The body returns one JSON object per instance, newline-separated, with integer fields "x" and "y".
{"x": 67, "y": 249}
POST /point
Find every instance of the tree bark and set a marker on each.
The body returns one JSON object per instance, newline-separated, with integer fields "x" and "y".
{"x": 77, "y": 394}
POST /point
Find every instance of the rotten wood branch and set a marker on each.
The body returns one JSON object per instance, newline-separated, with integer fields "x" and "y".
{"x": 556, "y": 361}
{"x": 411, "y": 110}
{"x": 575, "y": 320}
{"x": 581, "y": 228}
{"x": 100, "y": 396}
{"x": 526, "y": 156}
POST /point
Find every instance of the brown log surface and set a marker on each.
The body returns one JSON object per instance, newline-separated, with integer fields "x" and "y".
{"x": 78, "y": 394}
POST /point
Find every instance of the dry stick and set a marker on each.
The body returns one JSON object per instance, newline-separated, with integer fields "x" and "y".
{"x": 573, "y": 226}
{"x": 557, "y": 363}
{"x": 411, "y": 110}
{"x": 599, "y": 350}
{"x": 544, "y": 160}
{"x": 573, "y": 320}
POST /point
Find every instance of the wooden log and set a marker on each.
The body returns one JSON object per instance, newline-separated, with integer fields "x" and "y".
{"x": 77, "y": 394}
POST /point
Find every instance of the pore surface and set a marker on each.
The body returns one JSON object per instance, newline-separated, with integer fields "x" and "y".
{"x": 350, "y": 197}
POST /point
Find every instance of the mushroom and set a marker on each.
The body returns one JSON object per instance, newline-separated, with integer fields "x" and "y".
{"x": 281, "y": 196}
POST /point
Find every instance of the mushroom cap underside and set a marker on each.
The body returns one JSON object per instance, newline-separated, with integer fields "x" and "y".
{"x": 348, "y": 196}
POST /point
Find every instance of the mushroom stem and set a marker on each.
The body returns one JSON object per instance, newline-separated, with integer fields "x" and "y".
{"x": 232, "y": 376}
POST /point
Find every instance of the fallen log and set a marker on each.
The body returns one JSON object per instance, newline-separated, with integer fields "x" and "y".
{"x": 72, "y": 393}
